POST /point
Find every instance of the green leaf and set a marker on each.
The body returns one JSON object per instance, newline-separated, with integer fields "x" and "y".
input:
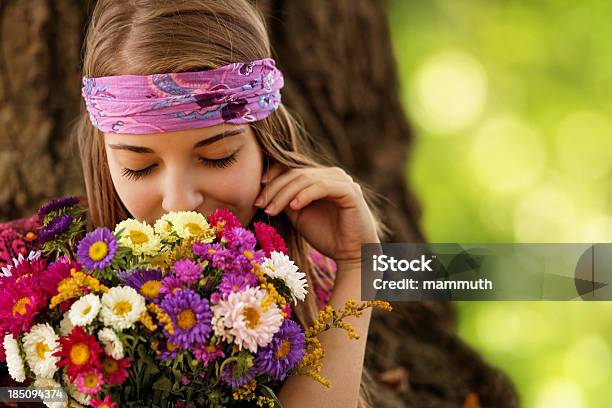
{"x": 162, "y": 384}
{"x": 268, "y": 392}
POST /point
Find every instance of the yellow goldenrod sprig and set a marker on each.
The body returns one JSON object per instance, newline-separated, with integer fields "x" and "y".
{"x": 147, "y": 321}
{"x": 75, "y": 286}
{"x": 330, "y": 318}
{"x": 246, "y": 391}
{"x": 162, "y": 317}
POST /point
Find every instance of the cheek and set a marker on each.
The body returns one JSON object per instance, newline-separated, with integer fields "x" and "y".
{"x": 236, "y": 187}
{"x": 137, "y": 196}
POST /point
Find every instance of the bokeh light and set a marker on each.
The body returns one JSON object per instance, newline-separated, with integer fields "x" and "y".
{"x": 512, "y": 112}
{"x": 449, "y": 92}
{"x": 507, "y": 156}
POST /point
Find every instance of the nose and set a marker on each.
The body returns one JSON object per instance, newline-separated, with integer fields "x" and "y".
{"x": 181, "y": 194}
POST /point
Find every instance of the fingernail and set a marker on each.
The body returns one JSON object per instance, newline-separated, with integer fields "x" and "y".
{"x": 269, "y": 209}
{"x": 294, "y": 202}
{"x": 259, "y": 201}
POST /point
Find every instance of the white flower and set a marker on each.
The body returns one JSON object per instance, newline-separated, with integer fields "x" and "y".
{"x": 111, "y": 342}
{"x": 121, "y": 307}
{"x": 39, "y": 345}
{"x": 14, "y": 361}
{"x": 65, "y": 326}
{"x": 48, "y": 384}
{"x": 80, "y": 397}
{"x": 6, "y": 270}
{"x": 163, "y": 227}
{"x": 280, "y": 266}
{"x": 84, "y": 311}
{"x": 244, "y": 319}
{"x": 139, "y": 237}
{"x": 189, "y": 224}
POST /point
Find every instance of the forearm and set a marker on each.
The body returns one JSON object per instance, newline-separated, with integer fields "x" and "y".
{"x": 343, "y": 361}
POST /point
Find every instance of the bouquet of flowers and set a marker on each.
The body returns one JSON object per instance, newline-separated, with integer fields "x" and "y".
{"x": 191, "y": 311}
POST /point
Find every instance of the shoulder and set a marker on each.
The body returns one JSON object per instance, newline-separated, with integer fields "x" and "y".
{"x": 18, "y": 237}
{"x": 323, "y": 276}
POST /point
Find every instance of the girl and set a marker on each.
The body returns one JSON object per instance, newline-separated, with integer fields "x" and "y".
{"x": 150, "y": 144}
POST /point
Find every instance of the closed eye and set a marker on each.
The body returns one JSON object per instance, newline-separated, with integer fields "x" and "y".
{"x": 220, "y": 163}
{"x": 138, "y": 174}
{"x": 131, "y": 174}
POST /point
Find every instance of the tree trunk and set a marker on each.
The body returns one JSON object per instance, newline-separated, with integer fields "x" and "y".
{"x": 40, "y": 44}
{"x": 341, "y": 80}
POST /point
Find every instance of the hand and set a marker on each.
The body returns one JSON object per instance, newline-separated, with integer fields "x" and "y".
{"x": 324, "y": 205}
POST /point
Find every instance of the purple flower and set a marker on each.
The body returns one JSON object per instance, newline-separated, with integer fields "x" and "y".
{"x": 190, "y": 316}
{"x": 205, "y": 250}
{"x": 234, "y": 282}
{"x": 170, "y": 284}
{"x": 54, "y": 227}
{"x": 231, "y": 377}
{"x": 97, "y": 249}
{"x": 56, "y": 204}
{"x": 208, "y": 352}
{"x": 283, "y": 353}
{"x": 168, "y": 351}
{"x": 187, "y": 271}
{"x": 243, "y": 264}
{"x": 240, "y": 238}
{"x": 147, "y": 282}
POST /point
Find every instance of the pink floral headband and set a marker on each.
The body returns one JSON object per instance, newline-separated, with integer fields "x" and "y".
{"x": 137, "y": 104}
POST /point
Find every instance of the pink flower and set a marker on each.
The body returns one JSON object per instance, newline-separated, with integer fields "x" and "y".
{"x": 105, "y": 403}
{"x": 224, "y": 217}
{"x": 20, "y": 302}
{"x": 269, "y": 240}
{"x": 115, "y": 371}
{"x": 287, "y": 311}
{"x": 208, "y": 352}
{"x": 90, "y": 381}
{"x": 57, "y": 272}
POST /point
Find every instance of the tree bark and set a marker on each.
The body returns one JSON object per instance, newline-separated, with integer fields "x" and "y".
{"x": 40, "y": 44}
{"x": 341, "y": 79}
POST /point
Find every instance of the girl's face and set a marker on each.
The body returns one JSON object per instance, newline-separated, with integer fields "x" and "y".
{"x": 187, "y": 170}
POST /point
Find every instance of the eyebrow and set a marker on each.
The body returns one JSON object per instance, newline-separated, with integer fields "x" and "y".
{"x": 201, "y": 143}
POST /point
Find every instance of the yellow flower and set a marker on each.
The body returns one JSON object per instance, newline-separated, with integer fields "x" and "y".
{"x": 139, "y": 237}
{"x": 190, "y": 224}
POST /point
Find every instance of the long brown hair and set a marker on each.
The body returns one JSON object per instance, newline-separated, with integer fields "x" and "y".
{"x": 143, "y": 37}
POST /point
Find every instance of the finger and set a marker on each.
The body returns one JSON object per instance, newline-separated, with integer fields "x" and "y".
{"x": 270, "y": 189}
{"x": 340, "y": 192}
{"x": 288, "y": 192}
{"x": 272, "y": 172}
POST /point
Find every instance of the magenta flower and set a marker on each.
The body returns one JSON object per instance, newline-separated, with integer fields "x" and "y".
{"x": 187, "y": 271}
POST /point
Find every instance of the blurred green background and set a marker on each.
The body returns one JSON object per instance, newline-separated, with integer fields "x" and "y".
{"x": 511, "y": 105}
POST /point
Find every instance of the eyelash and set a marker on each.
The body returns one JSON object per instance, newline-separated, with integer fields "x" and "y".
{"x": 213, "y": 163}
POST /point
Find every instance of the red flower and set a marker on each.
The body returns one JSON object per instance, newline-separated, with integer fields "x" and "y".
{"x": 115, "y": 371}
{"x": 269, "y": 240}
{"x": 105, "y": 403}
{"x": 225, "y": 217}
{"x": 80, "y": 352}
